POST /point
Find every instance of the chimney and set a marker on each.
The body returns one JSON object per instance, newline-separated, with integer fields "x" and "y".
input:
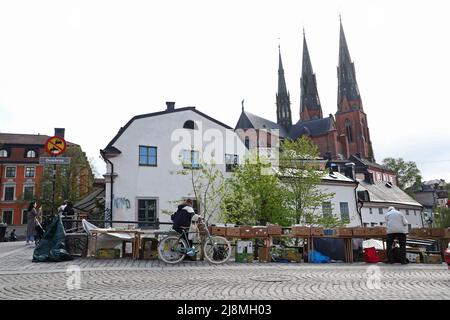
{"x": 59, "y": 132}
{"x": 170, "y": 106}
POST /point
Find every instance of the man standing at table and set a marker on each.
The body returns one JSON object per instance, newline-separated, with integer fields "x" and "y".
{"x": 397, "y": 228}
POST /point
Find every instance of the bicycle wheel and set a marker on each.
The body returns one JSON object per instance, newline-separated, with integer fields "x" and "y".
{"x": 172, "y": 249}
{"x": 217, "y": 249}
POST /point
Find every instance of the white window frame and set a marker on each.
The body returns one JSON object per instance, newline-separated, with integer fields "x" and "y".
{"x": 25, "y": 171}
{"x": 15, "y": 172}
{"x": 29, "y": 186}
{"x": 3, "y": 153}
{"x": 32, "y": 152}
{"x": 4, "y": 192}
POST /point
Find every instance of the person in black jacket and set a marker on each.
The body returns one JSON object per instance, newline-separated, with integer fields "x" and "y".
{"x": 183, "y": 216}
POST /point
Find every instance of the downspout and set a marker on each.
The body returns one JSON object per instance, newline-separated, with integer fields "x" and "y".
{"x": 102, "y": 152}
{"x": 358, "y": 209}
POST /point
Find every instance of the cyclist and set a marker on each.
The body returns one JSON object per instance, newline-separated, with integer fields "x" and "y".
{"x": 185, "y": 217}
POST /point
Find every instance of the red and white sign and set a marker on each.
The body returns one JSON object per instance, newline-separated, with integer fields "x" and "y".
{"x": 55, "y": 146}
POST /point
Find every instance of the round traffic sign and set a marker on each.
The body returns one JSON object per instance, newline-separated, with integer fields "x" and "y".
{"x": 55, "y": 146}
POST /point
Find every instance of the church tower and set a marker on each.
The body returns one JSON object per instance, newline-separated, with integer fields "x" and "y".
{"x": 351, "y": 120}
{"x": 310, "y": 107}
{"x": 284, "y": 117}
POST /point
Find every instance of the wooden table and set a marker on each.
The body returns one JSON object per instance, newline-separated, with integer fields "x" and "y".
{"x": 136, "y": 241}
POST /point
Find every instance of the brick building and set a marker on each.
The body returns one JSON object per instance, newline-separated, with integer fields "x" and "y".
{"x": 21, "y": 175}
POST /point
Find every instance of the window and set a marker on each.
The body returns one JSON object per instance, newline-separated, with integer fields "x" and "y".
{"x": 326, "y": 209}
{"x": 30, "y": 172}
{"x": 190, "y": 125}
{"x": 191, "y": 159}
{"x": 348, "y": 129}
{"x": 10, "y": 172}
{"x": 31, "y": 154}
{"x": 370, "y": 211}
{"x": 3, "y": 153}
{"x": 24, "y": 216}
{"x": 365, "y": 225}
{"x": 247, "y": 142}
{"x": 345, "y": 215}
{"x": 373, "y": 224}
{"x": 380, "y": 210}
{"x": 28, "y": 192}
{"x": 381, "y": 223}
{"x": 415, "y": 213}
{"x": 231, "y": 161}
{"x": 7, "y": 217}
{"x": 147, "y": 156}
{"x": 9, "y": 193}
{"x": 146, "y": 212}
{"x": 407, "y": 212}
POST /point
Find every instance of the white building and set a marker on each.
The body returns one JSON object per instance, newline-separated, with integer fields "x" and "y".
{"x": 144, "y": 157}
{"x": 378, "y": 196}
{"x": 343, "y": 204}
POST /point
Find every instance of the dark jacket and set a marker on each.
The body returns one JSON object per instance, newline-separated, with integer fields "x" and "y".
{"x": 182, "y": 217}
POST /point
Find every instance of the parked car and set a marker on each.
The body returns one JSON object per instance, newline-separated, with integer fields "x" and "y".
{"x": 447, "y": 255}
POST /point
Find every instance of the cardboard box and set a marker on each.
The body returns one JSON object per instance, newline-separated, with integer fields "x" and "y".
{"x": 264, "y": 254}
{"x": 344, "y": 232}
{"x": 233, "y": 232}
{"x": 413, "y": 257}
{"x": 301, "y": 231}
{"x": 274, "y": 230}
{"x": 438, "y": 232}
{"x": 260, "y": 231}
{"x": 317, "y": 231}
{"x": 219, "y": 231}
{"x": 359, "y": 231}
{"x": 247, "y": 232}
{"x": 108, "y": 253}
{"x": 421, "y": 232}
{"x": 292, "y": 255}
{"x": 434, "y": 258}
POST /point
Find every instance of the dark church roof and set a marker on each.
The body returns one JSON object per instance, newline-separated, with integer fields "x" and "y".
{"x": 312, "y": 128}
{"x": 248, "y": 120}
{"x": 368, "y": 164}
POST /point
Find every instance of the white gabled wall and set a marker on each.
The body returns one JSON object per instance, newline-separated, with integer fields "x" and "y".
{"x": 413, "y": 216}
{"x": 135, "y": 182}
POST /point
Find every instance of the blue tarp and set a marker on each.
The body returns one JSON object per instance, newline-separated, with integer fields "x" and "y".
{"x": 332, "y": 248}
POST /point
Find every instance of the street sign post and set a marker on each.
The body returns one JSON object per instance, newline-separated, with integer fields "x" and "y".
{"x": 55, "y": 146}
{"x": 54, "y": 160}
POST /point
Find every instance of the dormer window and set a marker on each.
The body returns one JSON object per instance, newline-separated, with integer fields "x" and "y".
{"x": 31, "y": 154}
{"x": 3, "y": 153}
{"x": 190, "y": 125}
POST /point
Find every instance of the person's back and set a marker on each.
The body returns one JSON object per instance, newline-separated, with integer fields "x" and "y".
{"x": 182, "y": 218}
{"x": 396, "y": 222}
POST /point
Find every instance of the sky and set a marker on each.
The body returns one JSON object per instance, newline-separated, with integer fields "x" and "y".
{"x": 90, "y": 66}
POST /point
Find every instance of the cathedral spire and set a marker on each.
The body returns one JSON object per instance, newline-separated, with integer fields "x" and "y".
{"x": 348, "y": 92}
{"x": 310, "y": 107}
{"x": 284, "y": 117}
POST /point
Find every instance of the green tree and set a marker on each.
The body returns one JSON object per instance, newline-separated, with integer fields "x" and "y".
{"x": 442, "y": 218}
{"x": 255, "y": 195}
{"x": 208, "y": 187}
{"x": 73, "y": 182}
{"x": 301, "y": 173}
{"x": 408, "y": 175}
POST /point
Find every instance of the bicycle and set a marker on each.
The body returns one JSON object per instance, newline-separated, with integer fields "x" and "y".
{"x": 174, "y": 248}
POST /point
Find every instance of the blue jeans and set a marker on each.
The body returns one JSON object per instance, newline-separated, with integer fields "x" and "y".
{"x": 30, "y": 239}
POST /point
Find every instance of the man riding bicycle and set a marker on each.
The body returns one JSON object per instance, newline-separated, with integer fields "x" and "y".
{"x": 185, "y": 218}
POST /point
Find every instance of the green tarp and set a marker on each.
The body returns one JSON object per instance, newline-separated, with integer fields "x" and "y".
{"x": 52, "y": 247}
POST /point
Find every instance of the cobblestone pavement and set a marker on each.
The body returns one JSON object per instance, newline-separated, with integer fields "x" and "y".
{"x": 128, "y": 279}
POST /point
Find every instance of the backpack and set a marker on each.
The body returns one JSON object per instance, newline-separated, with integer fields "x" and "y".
{"x": 181, "y": 218}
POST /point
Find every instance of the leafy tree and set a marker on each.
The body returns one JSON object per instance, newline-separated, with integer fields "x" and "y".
{"x": 301, "y": 173}
{"x": 73, "y": 182}
{"x": 255, "y": 196}
{"x": 442, "y": 217}
{"x": 408, "y": 174}
{"x": 208, "y": 187}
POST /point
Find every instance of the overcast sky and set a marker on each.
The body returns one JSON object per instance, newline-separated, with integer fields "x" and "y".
{"x": 90, "y": 66}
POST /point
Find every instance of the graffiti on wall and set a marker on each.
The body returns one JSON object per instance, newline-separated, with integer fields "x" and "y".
{"x": 122, "y": 203}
